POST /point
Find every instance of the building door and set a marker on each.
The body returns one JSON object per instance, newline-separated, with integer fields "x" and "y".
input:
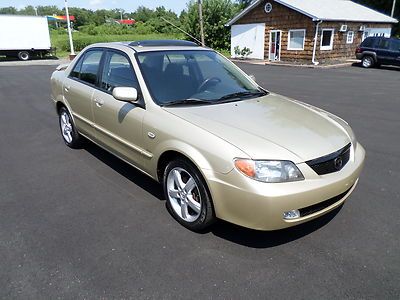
{"x": 275, "y": 45}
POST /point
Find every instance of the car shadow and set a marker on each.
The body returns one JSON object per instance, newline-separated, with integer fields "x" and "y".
{"x": 268, "y": 239}
{"x": 389, "y": 68}
{"x": 126, "y": 170}
{"x": 224, "y": 230}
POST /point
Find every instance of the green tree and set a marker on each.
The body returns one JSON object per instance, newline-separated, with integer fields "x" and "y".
{"x": 216, "y": 13}
{"x": 8, "y": 10}
{"x": 143, "y": 14}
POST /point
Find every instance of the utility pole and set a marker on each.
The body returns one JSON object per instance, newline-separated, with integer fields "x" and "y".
{"x": 201, "y": 22}
{"x": 71, "y": 43}
{"x": 393, "y": 8}
{"x": 121, "y": 14}
{"x": 35, "y": 8}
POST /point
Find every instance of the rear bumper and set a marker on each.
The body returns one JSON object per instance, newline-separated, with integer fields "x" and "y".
{"x": 249, "y": 203}
{"x": 359, "y": 55}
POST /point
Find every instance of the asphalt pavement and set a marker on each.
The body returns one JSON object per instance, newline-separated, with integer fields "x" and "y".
{"x": 82, "y": 224}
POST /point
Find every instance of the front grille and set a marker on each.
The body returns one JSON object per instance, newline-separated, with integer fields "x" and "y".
{"x": 332, "y": 162}
{"x": 322, "y": 205}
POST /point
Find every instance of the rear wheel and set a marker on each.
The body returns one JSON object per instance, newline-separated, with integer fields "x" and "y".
{"x": 187, "y": 195}
{"x": 24, "y": 55}
{"x": 70, "y": 135}
{"x": 367, "y": 61}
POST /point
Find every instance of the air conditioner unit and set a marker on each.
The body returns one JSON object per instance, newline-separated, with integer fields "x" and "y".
{"x": 362, "y": 28}
{"x": 343, "y": 28}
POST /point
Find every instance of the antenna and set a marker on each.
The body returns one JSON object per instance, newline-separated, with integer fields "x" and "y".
{"x": 188, "y": 34}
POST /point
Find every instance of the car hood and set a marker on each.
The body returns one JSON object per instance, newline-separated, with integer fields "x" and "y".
{"x": 270, "y": 127}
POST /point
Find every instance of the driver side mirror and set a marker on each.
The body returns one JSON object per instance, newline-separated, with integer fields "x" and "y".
{"x": 126, "y": 94}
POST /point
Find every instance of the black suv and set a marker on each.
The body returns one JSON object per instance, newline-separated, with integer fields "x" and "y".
{"x": 376, "y": 51}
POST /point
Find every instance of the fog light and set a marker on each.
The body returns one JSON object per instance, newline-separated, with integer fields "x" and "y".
{"x": 291, "y": 214}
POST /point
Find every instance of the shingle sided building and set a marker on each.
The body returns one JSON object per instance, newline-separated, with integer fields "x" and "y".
{"x": 305, "y": 30}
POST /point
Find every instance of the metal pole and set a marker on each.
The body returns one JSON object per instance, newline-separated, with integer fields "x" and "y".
{"x": 71, "y": 43}
{"x": 121, "y": 14}
{"x": 393, "y": 8}
{"x": 201, "y": 22}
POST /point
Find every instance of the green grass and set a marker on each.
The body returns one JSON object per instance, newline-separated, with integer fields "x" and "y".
{"x": 81, "y": 40}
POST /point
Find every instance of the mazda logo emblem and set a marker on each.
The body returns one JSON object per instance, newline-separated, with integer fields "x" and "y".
{"x": 338, "y": 162}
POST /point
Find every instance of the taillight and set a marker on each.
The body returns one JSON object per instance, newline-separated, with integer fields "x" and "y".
{"x": 358, "y": 50}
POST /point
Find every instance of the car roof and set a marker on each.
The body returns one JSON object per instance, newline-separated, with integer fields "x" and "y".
{"x": 152, "y": 45}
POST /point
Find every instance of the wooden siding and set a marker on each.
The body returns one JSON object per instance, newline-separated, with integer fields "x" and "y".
{"x": 285, "y": 19}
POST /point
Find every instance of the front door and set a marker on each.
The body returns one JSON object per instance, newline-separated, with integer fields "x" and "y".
{"x": 118, "y": 124}
{"x": 275, "y": 45}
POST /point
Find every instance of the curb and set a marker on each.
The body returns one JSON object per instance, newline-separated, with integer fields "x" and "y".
{"x": 39, "y": 62}
{"x": 268, "y": 63}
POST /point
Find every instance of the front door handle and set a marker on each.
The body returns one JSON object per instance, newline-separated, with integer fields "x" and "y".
{"x": 99, "y": 102}
{"x": 66, "y": 88}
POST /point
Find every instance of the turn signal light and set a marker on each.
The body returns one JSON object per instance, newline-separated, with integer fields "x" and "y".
{"x": 246, "y": 167}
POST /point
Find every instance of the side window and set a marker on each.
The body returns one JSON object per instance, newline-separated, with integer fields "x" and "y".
{"x": 90, "y": 66}
{"x": 75, "y": 73}
{"x": 395, "y": 45}
{"x": 118, "y": 72}
{"x": 384, "y": 44}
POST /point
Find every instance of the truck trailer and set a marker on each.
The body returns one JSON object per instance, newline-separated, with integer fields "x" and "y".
{"x": 24, "y": 36}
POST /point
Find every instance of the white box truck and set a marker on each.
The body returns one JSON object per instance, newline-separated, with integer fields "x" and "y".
{"x": 24, "y": 36}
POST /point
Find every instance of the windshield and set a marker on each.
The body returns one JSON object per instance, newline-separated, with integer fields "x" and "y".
{"x": 198, "y": 76}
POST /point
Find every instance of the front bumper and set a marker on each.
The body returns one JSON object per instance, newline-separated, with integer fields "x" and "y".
{"x": 258, "y": 205}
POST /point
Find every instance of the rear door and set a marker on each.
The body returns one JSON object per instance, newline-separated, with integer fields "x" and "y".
{"x": 382, "y": 51}
{"x": 79, "y": 87}
{"x": 118, "y": 123}
{"x": 394, "y": 51}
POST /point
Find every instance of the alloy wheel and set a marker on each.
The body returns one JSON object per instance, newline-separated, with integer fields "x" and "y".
{"x": 183, "y": 194}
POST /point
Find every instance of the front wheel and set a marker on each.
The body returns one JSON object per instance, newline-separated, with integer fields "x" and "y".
{"x": 367, "y": 61}
{"x": 70, "y": 135}
{"x": 187, "y": 195}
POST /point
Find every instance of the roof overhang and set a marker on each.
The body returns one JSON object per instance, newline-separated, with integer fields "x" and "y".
{"x": 243, "y": 12}
{"x": 314, "y": 18}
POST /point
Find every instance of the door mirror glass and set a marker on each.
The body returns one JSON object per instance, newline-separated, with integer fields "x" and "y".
{"x": 127, "y": 94}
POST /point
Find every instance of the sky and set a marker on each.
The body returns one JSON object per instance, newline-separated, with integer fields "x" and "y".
{"x": 127, "y": 5}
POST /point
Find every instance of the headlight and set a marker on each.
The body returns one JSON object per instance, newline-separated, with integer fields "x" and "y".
{"x": 269, "y": 170}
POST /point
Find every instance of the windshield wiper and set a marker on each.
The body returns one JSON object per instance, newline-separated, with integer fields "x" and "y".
{"x": 188, "y": 101}
{"x": 240, "y": 95}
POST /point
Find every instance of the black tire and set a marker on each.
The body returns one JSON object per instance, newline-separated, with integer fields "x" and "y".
{"x": 73, "y": 140}
{"x": 367, "y": 61}
{"x": 24, "y": 55}
{"x": 206, "y": 215}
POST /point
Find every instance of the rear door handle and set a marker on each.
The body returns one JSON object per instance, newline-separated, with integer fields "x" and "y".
{"x": 99, "y": 102}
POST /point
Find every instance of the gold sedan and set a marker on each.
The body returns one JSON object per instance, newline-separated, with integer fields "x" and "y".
{"x": 221, "y": 146}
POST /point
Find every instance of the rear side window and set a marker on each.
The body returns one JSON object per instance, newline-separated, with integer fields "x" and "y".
{"x": 395, "y": 45}
{"x": 368, "y": 42}
{"x": 90, "y": 66}
{"x": 77, "y": 69}
{"x": 384, "y": 44}
{"x": 117, "y": 72}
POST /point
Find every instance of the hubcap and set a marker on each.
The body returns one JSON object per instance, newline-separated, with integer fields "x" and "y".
{"x": 66, "y": 127}
{"x": 367, "y": 62}
{"x": 183, "y": 194}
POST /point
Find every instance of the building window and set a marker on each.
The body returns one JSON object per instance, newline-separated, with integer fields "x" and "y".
{"x": 350, "y": 37}
{"x": 327, "y": 39}
{"x": 296, "y": 39}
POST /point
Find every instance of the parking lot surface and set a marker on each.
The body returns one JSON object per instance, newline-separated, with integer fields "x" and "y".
{"x": 82, "y": 224}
